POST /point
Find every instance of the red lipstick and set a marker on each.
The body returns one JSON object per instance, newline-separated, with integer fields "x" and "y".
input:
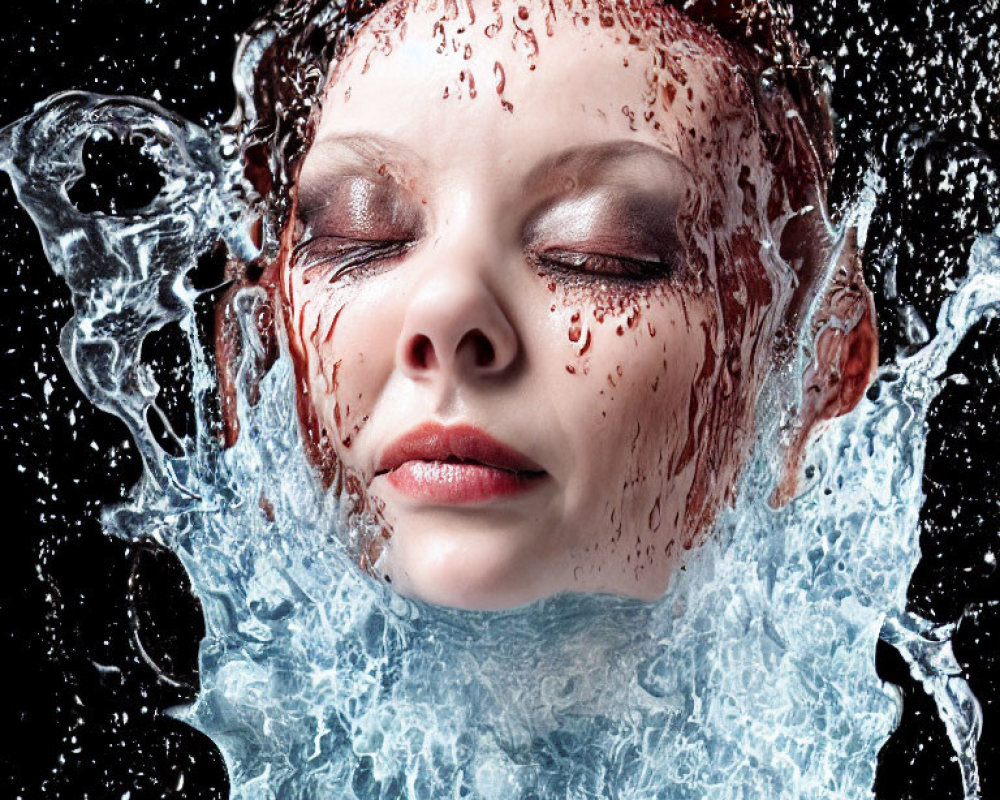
{"x": 456, "y": 464}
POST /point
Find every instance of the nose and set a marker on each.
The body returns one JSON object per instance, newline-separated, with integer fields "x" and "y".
{"x": 455, "y": 327}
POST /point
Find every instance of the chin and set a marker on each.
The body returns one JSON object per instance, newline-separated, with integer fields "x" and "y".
{"x": 467, "y": 569}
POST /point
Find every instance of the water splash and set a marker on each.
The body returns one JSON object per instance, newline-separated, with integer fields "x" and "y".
{"x": 753, "y": 677}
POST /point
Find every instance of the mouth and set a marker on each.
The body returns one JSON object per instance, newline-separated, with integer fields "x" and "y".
{"x": 457, "y": 464}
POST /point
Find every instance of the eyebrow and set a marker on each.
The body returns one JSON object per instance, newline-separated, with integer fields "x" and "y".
{"x": 368, "y": 154}
{"x": 359, "y": 155}
{"x": 368, "y": 151}
{"x": 591, "y": 162}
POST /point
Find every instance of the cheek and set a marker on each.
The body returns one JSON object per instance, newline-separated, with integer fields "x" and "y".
{"x": 638, "y": 356}
{"x": 661, "y": 405}
{"x": 639, "y": 368}
{"x": 345, "y": 341}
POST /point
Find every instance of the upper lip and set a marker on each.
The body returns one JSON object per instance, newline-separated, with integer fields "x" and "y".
{"x": 464, "y": 443}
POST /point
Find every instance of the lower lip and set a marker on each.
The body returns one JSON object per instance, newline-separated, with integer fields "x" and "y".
{"x": 449, "y": 482}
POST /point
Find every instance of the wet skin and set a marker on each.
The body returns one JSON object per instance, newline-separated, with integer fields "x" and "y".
{"x": 518, "y": 239}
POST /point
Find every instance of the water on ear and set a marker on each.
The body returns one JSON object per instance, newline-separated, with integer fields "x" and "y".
{"x": 753, "y": 678}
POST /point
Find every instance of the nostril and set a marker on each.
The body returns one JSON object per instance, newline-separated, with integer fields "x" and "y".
{"x": 482, "y": 348}
{"x": 476, "y": 350}
{"x": 422, "y": 352}
{"x": 485, "y": 355}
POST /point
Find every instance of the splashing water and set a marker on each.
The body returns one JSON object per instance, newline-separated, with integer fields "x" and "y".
{"x": 754, "y": 676}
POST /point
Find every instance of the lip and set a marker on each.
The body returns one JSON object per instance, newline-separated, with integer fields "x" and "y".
{"x": 456, "y": 464}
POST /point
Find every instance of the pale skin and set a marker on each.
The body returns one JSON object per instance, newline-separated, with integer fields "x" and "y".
{"x": 490, "y": 235}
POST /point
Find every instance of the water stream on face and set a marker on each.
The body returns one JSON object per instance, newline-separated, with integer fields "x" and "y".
{"x": 753, "y": 678}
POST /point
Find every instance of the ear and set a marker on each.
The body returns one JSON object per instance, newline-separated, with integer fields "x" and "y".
{"x": 845, "y": 356}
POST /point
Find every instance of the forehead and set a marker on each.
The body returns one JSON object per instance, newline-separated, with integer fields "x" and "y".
{"x": 513, "y": 78}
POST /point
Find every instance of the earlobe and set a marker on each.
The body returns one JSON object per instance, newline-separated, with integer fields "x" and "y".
{"x": 845, "y": 356}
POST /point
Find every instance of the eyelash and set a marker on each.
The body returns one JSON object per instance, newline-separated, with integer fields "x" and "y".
{"x": 335, "y": 257}
{"x": 616, "y": 269}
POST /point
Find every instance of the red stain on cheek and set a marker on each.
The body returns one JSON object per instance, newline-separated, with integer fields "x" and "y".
{"x": 602, "y": 302}
{"x": 669, "y": 95}
{"x": 329, "y": 369}
{"x": 333, "y": 326}
{"x": 575, "y": 328}
{"x": 319, "y": 349}
{"x": 575, "y": 332}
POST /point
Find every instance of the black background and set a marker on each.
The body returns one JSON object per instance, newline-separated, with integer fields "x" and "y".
{"x": 83, "y": 706}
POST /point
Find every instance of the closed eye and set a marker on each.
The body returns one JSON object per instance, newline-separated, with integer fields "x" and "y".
{"x": 331, "y": 258}
{"x": 617, "y": 267}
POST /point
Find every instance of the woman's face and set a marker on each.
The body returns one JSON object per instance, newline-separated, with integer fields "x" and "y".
{"x": 526, "y": 297}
